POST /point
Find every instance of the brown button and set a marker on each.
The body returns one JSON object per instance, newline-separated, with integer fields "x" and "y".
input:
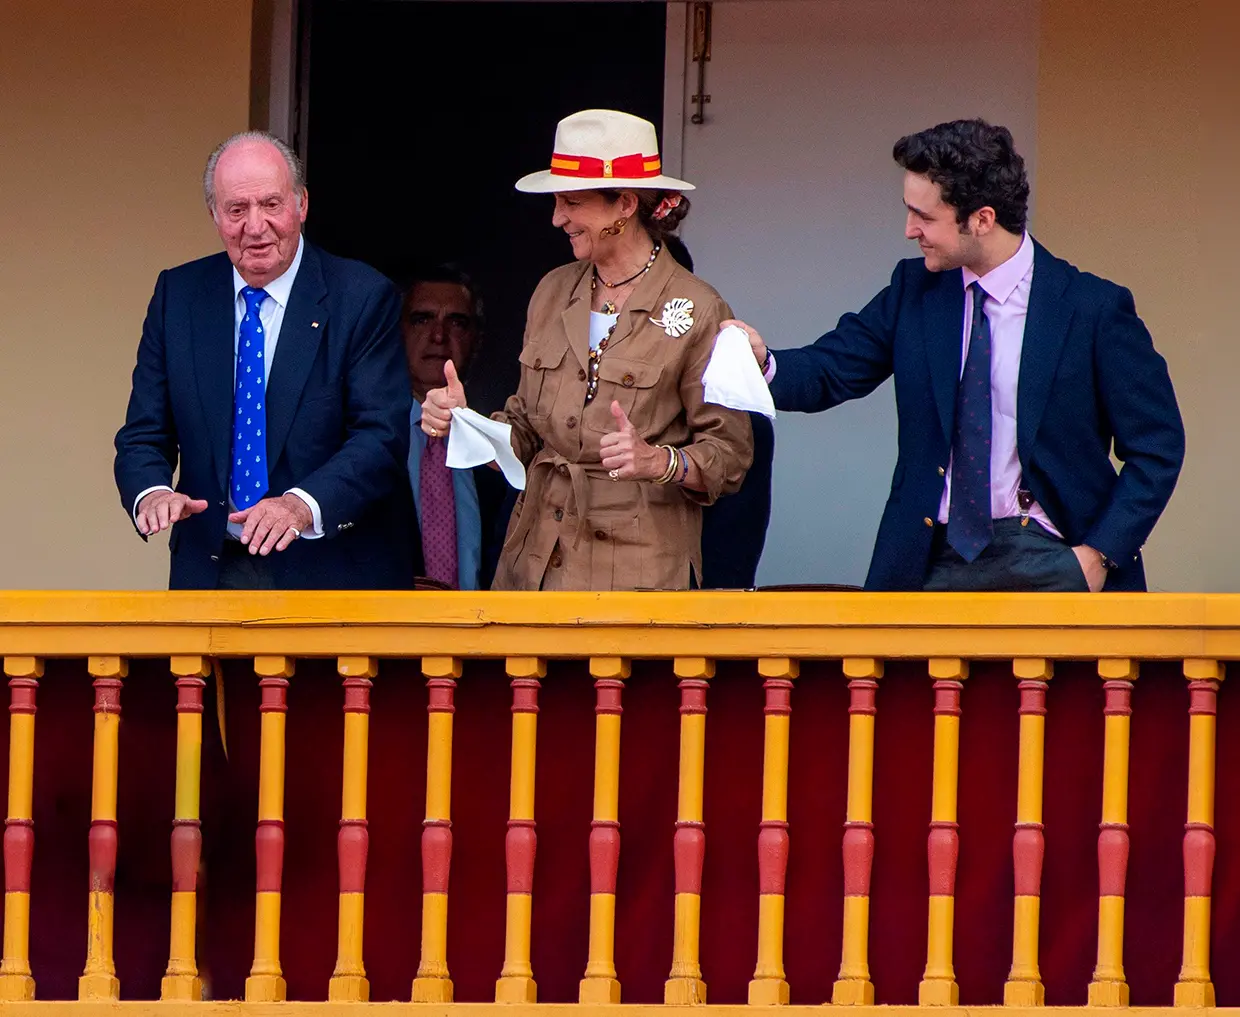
{"x": 581, "y": 375}
{"x": 928, "y": 521}
{"x": 559, "y": 514}
{"x": 556, "y": 560}
{"x": 600, "y": 535}
{"x": 570, "y": 423}
{"x": 942, "y": 472}
{"x": 538, "y": 362}
{"x": 562, "y": 470}
{"x": 627, "y": 381}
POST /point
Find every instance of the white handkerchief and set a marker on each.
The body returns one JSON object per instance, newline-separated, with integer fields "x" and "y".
{"x": 475, "y": 440}
{"x": 733, "y": 378}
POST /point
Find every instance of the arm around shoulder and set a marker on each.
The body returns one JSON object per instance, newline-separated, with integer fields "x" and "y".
{"x": 846, "y": 363}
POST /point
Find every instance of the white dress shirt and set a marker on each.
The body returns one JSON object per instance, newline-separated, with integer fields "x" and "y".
{"x": 271, "y": 314}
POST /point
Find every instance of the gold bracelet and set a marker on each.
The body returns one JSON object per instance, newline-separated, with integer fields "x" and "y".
{"x": 672, "y": 464}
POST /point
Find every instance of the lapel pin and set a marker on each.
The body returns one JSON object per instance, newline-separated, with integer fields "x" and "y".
{"x": 314, "y": 324}
{"x": 677, "y": 317}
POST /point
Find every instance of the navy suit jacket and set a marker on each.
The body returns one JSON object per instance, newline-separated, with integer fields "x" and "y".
{"x": 337, "y": 421}
{"x": 1090, "y": 380}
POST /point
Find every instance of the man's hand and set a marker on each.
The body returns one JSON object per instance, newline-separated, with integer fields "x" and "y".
{"x": 1091, "y": 565}
{"x": 755, "y": 341}
{"x": 273, "y": 523}
{"x": 626, "y": 456}
{"x": 437, "y": 407}
{"x": 160, "y": 509}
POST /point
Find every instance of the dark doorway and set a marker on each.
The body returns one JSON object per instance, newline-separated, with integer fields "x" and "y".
{"x": 422, "y": 114}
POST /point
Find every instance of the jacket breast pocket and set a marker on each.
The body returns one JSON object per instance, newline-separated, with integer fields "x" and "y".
{"x": 632, "y": 383}
{"x": 541, "y": 378}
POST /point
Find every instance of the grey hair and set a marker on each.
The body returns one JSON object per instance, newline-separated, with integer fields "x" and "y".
{"x": 295, "y": 169}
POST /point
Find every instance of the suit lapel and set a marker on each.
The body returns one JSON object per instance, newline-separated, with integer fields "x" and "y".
{"x": 576, "y": 320}
{"x": 1046, "y": 327}
{"x": 212, "y": 320}
{"x": 944, "y": 308}
{"x": 305, "y": 322}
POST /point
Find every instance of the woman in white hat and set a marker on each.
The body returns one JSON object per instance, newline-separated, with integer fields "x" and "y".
{"x": 620, "y": 449}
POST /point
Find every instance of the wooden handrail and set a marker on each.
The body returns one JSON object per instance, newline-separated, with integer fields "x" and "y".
{"x": 645, "y": 625}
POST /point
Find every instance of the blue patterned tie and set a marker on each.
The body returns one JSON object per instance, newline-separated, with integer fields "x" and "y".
{"x": 249, "y": 454}
{"x": 970, "y": 527}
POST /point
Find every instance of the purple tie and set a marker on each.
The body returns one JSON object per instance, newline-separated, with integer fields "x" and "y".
{"x": 438, "y": 513}
{"x": 970, "y": 527}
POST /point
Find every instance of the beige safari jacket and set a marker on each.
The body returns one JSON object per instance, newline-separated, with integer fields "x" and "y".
{"x": 574, "y": 528}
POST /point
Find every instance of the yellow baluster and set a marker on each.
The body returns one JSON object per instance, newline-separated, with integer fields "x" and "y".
{"x": 98, "y": 980}
{"x": 432, "y": 984}
{"x": 1024, "y": 985}
{"x": 266, "y": 981}
{"x": 23, "y": 673}
{"x": 1194, "y": 987}
{"x": 938, "y": 985}
{"x": 854, "y": 988}
{"x": 516, "y": 981}
{"x": 600, "y": 984}
{"x": 769, "y": 984}
{"x": 181, "y": 979}
{"x": 1108, "y": 987}
{"x": 348, "y": 982}
{"x": 685, "y": 985}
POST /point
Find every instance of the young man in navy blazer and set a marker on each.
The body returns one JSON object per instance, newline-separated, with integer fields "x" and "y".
{"x": 1016, "y": 376}
{"x": 273, "y": 375}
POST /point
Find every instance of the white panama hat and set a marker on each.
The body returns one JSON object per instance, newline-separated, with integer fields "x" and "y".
{"x": 599, "y": 149}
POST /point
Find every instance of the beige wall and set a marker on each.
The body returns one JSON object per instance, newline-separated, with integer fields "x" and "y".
{"x": 1124, "y": 165}
{"x": 107, "y": 111}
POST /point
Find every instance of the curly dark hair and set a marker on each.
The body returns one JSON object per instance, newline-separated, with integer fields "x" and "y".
{"x": 649, "y": 200}
{"x": 975, "y": 165}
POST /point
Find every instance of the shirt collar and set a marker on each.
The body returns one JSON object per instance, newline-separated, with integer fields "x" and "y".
{"x": 1000, "y": 282}
{"x": 279, "y": 288}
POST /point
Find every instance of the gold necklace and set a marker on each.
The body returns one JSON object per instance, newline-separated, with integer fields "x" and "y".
{"x": 609, "y": 306}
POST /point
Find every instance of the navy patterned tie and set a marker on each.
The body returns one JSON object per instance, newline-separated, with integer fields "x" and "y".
{"x": 249, "y": 454}
{"x": 970, "y": 527}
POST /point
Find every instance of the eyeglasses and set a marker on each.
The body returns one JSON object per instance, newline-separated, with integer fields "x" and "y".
{"x": 454, "y": 324}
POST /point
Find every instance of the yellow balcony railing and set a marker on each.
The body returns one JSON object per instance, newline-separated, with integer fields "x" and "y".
{"x": 287, "y": 802}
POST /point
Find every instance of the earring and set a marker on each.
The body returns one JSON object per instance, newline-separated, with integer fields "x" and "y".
{"x": 616, "y": 230}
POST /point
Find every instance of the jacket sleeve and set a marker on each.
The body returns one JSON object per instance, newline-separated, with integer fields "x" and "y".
{"x": 377, "y": 401}
{"x": 146, "y": 445}
{"x": 1139, "y": 401}
{"x": 722, "y": 439}
{"x": 848, "y": 362}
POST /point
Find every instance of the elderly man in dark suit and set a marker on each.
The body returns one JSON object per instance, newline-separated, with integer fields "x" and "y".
{"x": 1016, "y": 376}
{"x": 273, "y": 374}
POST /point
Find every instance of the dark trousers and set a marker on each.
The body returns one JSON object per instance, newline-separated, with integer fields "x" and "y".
{"x": 240, "y": 570}
{"x": 1019, "y": 559}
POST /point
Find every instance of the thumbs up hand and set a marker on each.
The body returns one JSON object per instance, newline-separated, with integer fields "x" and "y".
{"x": 625, "y": 456}
{"x": 437, "y": 409}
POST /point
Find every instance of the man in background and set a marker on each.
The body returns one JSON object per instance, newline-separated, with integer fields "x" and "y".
{"x": 271, "y": 375}
{"x": 460, "y": 513}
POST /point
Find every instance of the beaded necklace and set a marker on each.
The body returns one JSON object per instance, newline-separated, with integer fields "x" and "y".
{"x": 609, "y": 307}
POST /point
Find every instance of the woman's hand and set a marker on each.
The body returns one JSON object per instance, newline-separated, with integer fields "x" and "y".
{"x": 437, "y": 407}
{"x": 755, "y": 341}
{"x": 626, "y": 456}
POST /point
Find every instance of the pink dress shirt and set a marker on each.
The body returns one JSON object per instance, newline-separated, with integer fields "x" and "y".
{"x": 1007, "y": 305}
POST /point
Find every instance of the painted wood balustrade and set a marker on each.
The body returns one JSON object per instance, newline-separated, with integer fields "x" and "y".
{"x": 871, "y": 645}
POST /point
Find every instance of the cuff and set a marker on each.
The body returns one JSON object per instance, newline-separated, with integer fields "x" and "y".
{"x": 769, "y": 374}
{"x": 315, "y": 514}
{"x": 142, "y": 494}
